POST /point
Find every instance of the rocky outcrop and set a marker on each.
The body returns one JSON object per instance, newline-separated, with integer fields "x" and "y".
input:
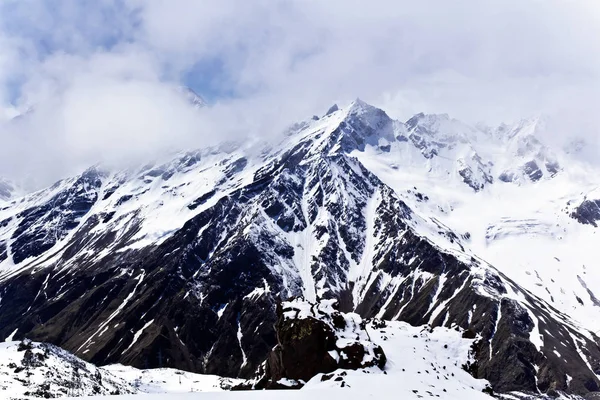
{"x": 314, "y": 338}
{"x": 588, "y": 212}
{"x": 532, "y": 171}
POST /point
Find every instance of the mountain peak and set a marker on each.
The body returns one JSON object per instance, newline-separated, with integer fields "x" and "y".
{"x": 6, "y": 189}
{"x": 443, "y": 127}
{"x": 332, "y": 109}
{"x": 359, "y": 106}
{"x": 192, "y": 97}
{"x": 368, "y": 113}
{"x": 427, "y": 119}
{"x": 532, "y": 126}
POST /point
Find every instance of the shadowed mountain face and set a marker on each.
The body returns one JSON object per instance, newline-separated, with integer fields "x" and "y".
{"x": 182, "y": 264}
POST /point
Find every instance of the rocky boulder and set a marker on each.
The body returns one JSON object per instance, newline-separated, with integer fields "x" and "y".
{"x": 315, "y": 338}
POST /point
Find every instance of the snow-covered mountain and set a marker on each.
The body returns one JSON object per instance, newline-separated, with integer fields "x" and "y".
{"x": 429, "y": 221}
{"x": 192, "y": 97}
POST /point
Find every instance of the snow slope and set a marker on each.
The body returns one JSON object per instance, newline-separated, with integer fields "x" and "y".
{"x": 523, "y": 228}
{"x": 421, "y": 362}
{"x": 37, "y": 370}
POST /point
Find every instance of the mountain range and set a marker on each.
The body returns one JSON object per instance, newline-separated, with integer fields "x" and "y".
{"x": 432, "y": 221}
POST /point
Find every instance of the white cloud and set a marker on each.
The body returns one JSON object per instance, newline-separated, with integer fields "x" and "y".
{"x": 108, "y": 108}
{"x": 106, "y": 79}
{"x": 490, "y": 60}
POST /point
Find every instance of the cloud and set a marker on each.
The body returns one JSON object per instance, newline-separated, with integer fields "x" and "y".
{"x": 476, "y": 60}
{"x": 110, "y": 108}
{"x": 104, "y": 71}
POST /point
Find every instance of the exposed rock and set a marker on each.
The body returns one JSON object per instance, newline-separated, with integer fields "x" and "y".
{"x": 467, "y": 175}
{"x": 552, "y": 167}
{"x": 533, "y": 171}
{"x": 313, "y": 339}
{"x": 506, "y": 176}
{"x": 588, "y": 212}
{"x": 332, "y": 109}
{"x": 41, "y": 226}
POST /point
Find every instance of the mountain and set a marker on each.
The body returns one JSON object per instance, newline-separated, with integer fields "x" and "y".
{"x": 430, "y": 221}
{"x": 192, "y": 97}
{"x": 7, "y": 189}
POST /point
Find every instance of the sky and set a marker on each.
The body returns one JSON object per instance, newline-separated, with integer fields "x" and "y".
{"x": 100, "y": 76}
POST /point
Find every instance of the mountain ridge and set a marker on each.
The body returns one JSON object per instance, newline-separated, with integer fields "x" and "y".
{"x": 204, "y": 246}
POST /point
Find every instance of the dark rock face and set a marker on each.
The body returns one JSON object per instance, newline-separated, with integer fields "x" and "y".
{"x": 506, "y": 176}
{"x": 467, "y": 175}
{"x": 3, "y": 248}
{"x": 332, "y": 109}
{"x": 201, "y": 200}
{"x": 314, "y": 339}
{"x": 476, "y": 181}
{"x": 365, "y": 125}
{"x": 39, "y": 229}
{"x": 588, "y": 212}
{"x": 552, "y": 167}
{"x": 303, "y": 351}
{"x": 533, "y": 171}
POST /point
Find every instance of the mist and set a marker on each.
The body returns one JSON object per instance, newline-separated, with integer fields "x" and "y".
{"x": 96, "y": 81}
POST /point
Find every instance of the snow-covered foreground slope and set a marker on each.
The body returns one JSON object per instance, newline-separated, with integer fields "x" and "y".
{"x": 38, "y": 370}
{"x": 181, "y": 263}
{"x": 421, "y": 364}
